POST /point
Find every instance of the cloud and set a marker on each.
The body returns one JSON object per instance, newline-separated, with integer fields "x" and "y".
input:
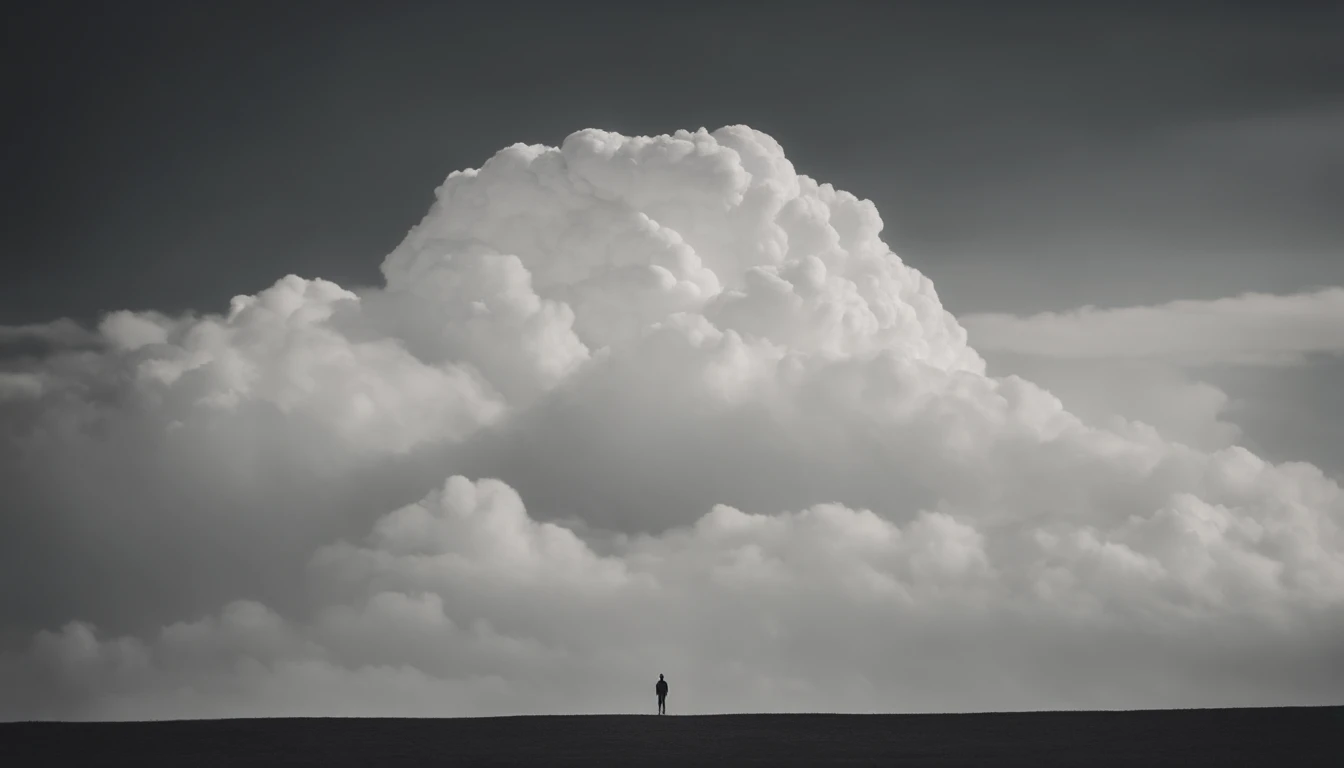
{"x": 39, "y": 339}
{"x": 627, "y": 406}
{"x": 1251, "y": 329}
{"x": 1112, "y": 393}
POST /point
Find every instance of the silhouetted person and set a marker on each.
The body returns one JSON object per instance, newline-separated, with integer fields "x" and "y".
{"x": 661, "y": 689}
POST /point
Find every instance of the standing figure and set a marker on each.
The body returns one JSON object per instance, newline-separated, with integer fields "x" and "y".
{"x": 661, "y": 689}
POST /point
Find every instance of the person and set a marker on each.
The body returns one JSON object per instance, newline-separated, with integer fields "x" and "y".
{"x": 661, "y": 689}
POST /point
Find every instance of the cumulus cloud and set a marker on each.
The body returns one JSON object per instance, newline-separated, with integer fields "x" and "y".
{"x": 1112, "y": 392}
{"x": 627, "y": 406}
{"x": 1251, "y": 329}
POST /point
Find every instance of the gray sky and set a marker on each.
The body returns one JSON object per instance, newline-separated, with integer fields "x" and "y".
{"x": 173, "y": 156}
{"x": 358, "y": 449}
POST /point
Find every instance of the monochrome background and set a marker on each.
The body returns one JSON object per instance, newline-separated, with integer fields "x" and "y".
{"x": 290, "y": 424}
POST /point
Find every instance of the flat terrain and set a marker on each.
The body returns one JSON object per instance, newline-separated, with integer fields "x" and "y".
{"x": 1279, "y": 737}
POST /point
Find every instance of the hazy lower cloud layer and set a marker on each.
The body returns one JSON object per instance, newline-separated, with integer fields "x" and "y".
{"x": 1253, "y": 329}
{"x": 625, "y": 407}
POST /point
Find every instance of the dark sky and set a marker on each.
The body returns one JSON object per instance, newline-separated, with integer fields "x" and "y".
{"x": 1026, "y": 156}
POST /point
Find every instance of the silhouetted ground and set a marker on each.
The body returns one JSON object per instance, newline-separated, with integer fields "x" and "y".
{"x": 1278, "y": 737}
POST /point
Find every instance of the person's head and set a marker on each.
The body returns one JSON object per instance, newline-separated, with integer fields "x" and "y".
{"x": 660, "y": 677}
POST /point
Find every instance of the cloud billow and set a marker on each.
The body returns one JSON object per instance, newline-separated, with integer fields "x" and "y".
{"x": 627, "y": 406}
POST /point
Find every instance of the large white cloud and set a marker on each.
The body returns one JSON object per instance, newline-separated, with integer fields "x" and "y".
{"x": 696, "y": 418}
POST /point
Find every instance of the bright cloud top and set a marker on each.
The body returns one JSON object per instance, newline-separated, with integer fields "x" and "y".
{"x": 626, "y": 406}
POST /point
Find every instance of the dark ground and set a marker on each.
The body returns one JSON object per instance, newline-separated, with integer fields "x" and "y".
{"x": 1279, "y": 737}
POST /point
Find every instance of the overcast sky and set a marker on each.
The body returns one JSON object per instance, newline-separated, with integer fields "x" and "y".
{"x": 1065, "y": 420}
